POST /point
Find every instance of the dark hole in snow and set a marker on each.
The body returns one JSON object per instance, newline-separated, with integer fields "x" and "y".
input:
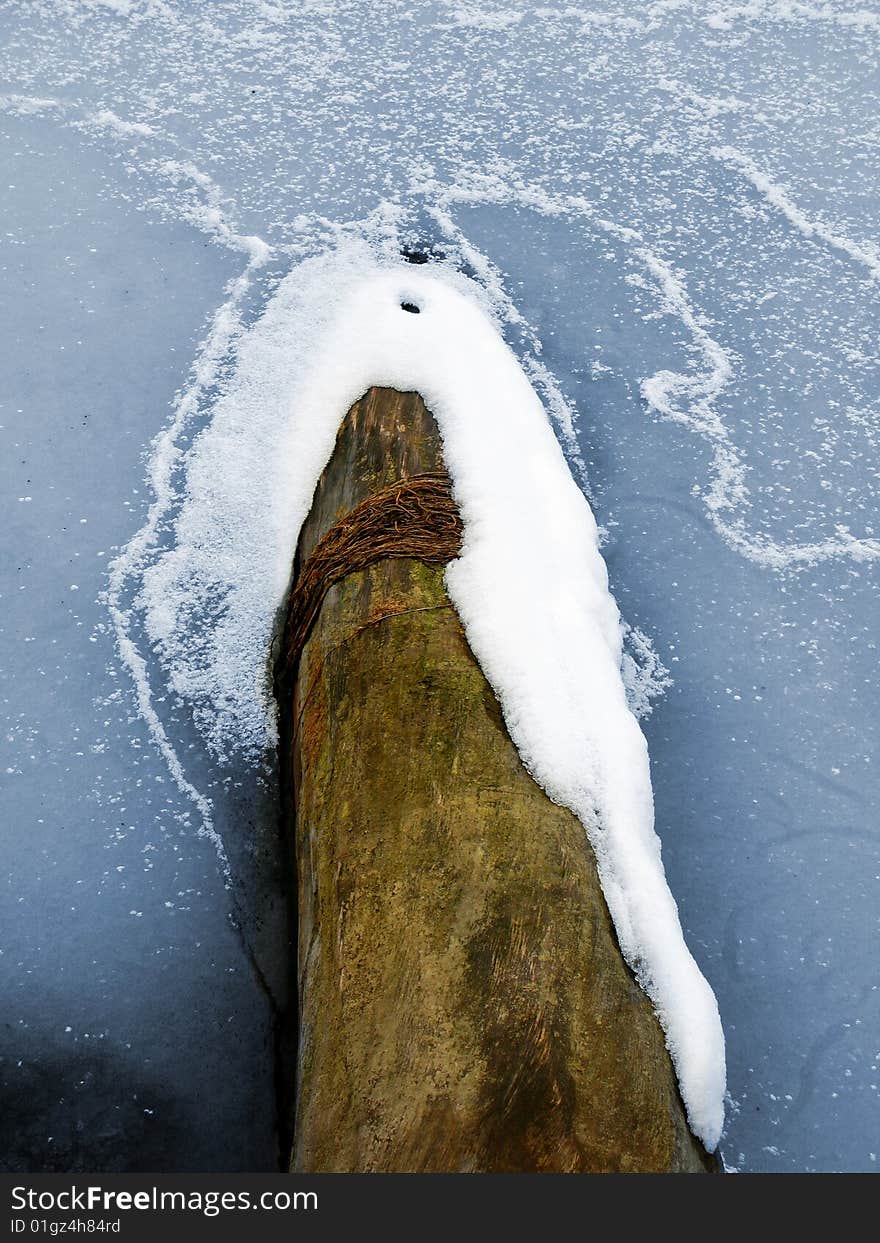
{"x": 416, "y": 254}
{"x": 411, "y": 307}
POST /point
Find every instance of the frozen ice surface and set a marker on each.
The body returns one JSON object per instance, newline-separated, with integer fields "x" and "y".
{"x": 673, "y": 215}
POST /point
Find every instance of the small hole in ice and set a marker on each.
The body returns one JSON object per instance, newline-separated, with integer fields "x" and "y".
{"x": 421, "y": 254}
{"x": 411, "y": 307}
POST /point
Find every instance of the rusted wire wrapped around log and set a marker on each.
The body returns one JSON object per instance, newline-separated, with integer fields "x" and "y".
{"x": 415, "y": 517}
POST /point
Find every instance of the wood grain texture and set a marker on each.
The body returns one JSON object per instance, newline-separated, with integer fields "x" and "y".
{"x": 464, "y": 1005}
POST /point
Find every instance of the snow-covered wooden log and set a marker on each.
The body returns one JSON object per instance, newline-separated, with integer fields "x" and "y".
{"x": 463, "y": 1002}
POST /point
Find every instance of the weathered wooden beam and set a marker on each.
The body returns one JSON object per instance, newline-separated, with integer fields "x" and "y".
{"x": 463, "y": 1001}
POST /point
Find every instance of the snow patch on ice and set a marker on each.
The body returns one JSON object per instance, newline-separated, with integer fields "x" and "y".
{"x": 106, "y": 119}
{"x": 710, "y": 106}
{"x": 132, "y": 9}
{"x": 26, "y": 105}
{"x": 530, "y": 585}
{"x": 724, "y": 17}
{"x": 645, "y": 677}
{"x": 477, "y": 17}
{"x": 863, "y": 253}
{"x": 125, "y": 571}
{"x": 200, "y": 201}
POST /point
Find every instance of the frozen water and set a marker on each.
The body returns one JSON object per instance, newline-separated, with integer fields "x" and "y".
{"x": 673, "y": 213}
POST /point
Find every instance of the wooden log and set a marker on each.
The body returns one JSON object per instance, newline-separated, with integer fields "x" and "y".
{"x": 464, "y": 1005}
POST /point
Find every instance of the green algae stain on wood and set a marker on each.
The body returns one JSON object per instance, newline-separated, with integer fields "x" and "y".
{"x": 463, "y": 1001}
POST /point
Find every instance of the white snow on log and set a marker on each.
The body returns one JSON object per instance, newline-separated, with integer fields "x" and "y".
{"x": 530, "y": 585}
